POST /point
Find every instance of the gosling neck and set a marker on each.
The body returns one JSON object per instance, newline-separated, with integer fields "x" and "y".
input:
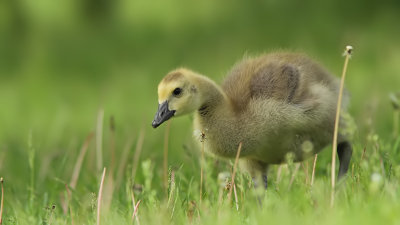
{"x": 212, "y": 96}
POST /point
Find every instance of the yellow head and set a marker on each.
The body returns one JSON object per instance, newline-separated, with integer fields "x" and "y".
{"x": 177, "y": 95}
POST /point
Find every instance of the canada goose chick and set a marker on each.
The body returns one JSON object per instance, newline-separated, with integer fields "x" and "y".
{"x": 274, "y": 104}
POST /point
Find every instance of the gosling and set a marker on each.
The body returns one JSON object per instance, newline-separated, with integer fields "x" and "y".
{"x": 273, "y": 104}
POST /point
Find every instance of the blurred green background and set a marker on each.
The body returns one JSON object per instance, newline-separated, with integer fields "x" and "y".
{"x": 62, "y": 61}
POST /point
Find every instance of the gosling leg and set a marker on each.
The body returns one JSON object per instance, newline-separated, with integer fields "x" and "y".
{"x": 259, "y": 172}
{"x": 344, "y": 151}
{"x": 265, "y": 180}
{"x": 260, "y": 175}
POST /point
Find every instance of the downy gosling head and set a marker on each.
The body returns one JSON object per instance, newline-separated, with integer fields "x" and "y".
{"x": 272, "y": 104}
{"x": 178, "y": 94}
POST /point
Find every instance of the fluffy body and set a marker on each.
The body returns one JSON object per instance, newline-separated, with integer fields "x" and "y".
{"x": 273, "y": 104}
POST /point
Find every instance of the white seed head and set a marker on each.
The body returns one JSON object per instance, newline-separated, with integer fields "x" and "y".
{"x": 348, "y": 51}
{"x": 376, "y": 182}
{"x": 376, "y": 178}
{"x": 223, "y": 178}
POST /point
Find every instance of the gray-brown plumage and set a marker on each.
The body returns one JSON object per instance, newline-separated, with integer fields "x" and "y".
{"x": 273, "y": 104}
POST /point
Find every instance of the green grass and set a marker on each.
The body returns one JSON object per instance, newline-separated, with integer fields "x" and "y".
{"x": 369, "y": 195}
{"x": 61, "y": 64}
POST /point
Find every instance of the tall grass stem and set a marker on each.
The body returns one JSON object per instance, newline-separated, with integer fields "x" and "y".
{"x": 234, "y": 171}
{"x": 31, "y": 161}
{"x": 100, "y": 196}
{"x": 112, "y": 144}
{"x": 99, "y": 139}
{"x": 396, "y": 118}
{"x": 79, "y": 161}
{"x": 135, "y": 208}
{"x": 69, "y": 195}
{"x": 2, "y": 200}
{"x": 165, "y": 160}
{"x": 138, "y": 151}
{"x": 202, "y": 165}
{"x": 347, "y": 54}
{"x": 236, "y": 197}
{"x": 123, "y": 161}
{"x": 296, "y": 169}
{"x": 313, "y": 169}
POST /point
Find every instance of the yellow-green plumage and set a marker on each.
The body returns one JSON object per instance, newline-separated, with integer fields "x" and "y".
{"x": 272, "y": 104}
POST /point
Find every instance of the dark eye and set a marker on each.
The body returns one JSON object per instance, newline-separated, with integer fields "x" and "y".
{"x": 177, "y": 91}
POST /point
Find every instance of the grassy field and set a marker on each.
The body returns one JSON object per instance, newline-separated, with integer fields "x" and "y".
{"x": 79, "y": 78}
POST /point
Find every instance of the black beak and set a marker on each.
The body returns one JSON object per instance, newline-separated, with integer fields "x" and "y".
{"x": 162, "y": 115}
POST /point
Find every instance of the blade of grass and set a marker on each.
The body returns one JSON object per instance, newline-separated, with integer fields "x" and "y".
{"x": 112, "y": 144}
{"x": 138, "y": 151}
{"x": 236, "y": 198}
{"x": 99, "y": 139}
{"x": 172, "y": 188}
{"x": 165, "y": 161}
{"x": 396, "y": 145}
{"x": 396, "y": 116}
{"x": 122, "y": 162}
{"x": 79, "y": 161}
{"x": 278, "y": 174}
{"x": 313, "y": 169}
{"x": 69, "y": 196}
{"x": 234, "y": 171}
{"x": 202, "y": 164}
{"x": 53, "y": 207}
{"x": 135, "y": 208}
{"x": 2, "y": 200}
{"x": 363, "y": 153}
{"x": 394, "y": 98}
{"x": 296, "y": 169}
{"x": 100, "y": 196}
{"x": 305, "y": 168}
{"x": 31, "y": 161}
{"x": 347, "y": 54}
{"x": 1, "y": 160}
{"x": 136, "y": 211}
{"x": 110, "y": 183}
{"x": 173, "y": 197}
